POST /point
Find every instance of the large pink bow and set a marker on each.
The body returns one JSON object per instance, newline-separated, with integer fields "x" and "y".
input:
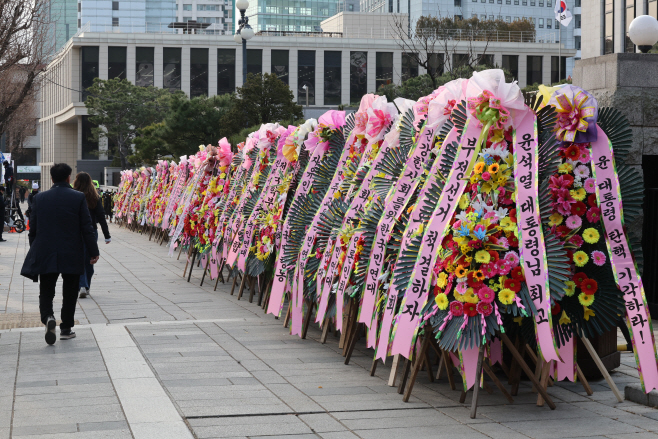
{"x": 571, "y": 116}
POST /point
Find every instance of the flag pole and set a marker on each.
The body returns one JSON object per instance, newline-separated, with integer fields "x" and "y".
{"x": 559, "y": 55}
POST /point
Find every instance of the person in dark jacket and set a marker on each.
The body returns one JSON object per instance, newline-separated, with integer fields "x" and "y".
{"x": 60, "y": 227}
{"x": 84, "y": 184}
{"x": 2, "y": 213}
{"x": 22, "y": 192}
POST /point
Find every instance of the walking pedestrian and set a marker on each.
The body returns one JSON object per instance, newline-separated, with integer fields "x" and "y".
{"x": 107, "y": 205}
{"x": 2, "y": 213}
{"x": 21, "y": 193}
{"x": 60, "y": 227}
{"x": 84, "y": 184}
{"x": 9, "y": 177}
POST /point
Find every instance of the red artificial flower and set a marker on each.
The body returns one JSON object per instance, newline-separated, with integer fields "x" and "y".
{"x": 470, "y": 309}
{"x": 512, "y": 215}
{"x": 591, "y": 200}
{"x": 589, "y": 286}
{"x": 494, "y": 255}
{"x": 578, "y": 208}
{"x": 517, "y": 273}
{"x": 484, "y": 308}
{"x": 569, "y": 179}
{"x": 593, "y": 214}
{"x": 456, "y": 308}
{"x": 572, "y": 152}
{"x": 513, "y": 284}
{"x": 579, "y": 278}
{"x": 472, "y": 281}
{"x": 563, "y": 230}
{"x": 513, "y": 241}
{"x": 556, "y": 309}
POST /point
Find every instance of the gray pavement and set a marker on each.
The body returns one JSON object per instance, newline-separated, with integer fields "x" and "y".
{"x": 158, "y": 357}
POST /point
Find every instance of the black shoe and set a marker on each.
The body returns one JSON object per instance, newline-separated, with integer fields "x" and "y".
{"x": 66, "y": 334}
{"x": 83, "y": 292}
{"x": 51, "y": 336}
{"x": 3, "y": 240}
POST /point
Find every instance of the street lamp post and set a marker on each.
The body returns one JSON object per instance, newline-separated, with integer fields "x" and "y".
{"x": 243, "y": 34}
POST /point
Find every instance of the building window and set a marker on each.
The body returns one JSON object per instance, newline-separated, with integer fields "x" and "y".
{"x": 555, "y": 65}
{"x": 115, "y": 6}
{"x": 115, "y": 22}
{"x": 508, "y": 19}
{"x": 630, "y": 15}
{"x": 549, "y": 3}
{"x": 79, "y": 23}
{"x": 280, "y": 64}
{"x": 532, "y": 3}
{"x": 459, "y": 17}
{"x": 207, "y": 7}
{"x": 88, "y": 67}
{"x": 541, "y": 23}
{"x": 116, "y": 62}
{"x": 358, "y": 76}
{"x": 458, "y": 3}
{"x": 557, "y": 24}
{"x": 255, "y": 61}
{"x": 541, "y": 4}
{"x": 508, "y": 2}
{"x": 306, "y": 76}
{"x": 350, "y": 8}
{"x": 198, "y": 72}
{"x": 511, "y": 64}
{"x": 486, "y": 60}
{"x": 516, "y": 2}
{"x": 332, "y": 78}
{"x": 435, "y": 63}
{"x": 474, "y": 15}
{"x": 576, "y": 4}
{"x": 144, "y": 60}
{"x": 534, "y": 70}
{"x": 187, "y": 7}
{"x": 549, "y": 23}
{"x": 225, "y": 71}
{"x": 609, "y": 27}
{"x": 89, "y": 145}
{"x": 409, "y": 66}
{"x": 577, "y": 41}
{"x": 79, "y": 7}
{"x": 171, "y": 67}
{"x": 577, "y": 17}
{"x": 459, "y": 60}
{"x": 383, "y": 68}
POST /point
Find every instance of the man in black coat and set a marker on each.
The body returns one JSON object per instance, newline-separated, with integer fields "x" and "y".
{"x": 59, "y": 224}
{"x": 2, "y": 212}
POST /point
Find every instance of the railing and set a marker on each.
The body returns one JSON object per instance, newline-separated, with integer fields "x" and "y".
{"x": 153, "y": 28}
{"x": 276, "y": 33}
{"x": 494, "y": 36}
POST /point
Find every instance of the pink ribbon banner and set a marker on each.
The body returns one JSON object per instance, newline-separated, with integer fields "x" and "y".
{"x": 409, "y": 318}
{"x": 531, "y": 238}
{"x": 414, "y": 221}
{"x": 566, "y": 369}
{"x": 236, "y": 184}
{"x": 395, "y": 202}
{"x": 279, "y": 285}
{"x": 629, "y": 282}
{"x": 187, "y": 199}
{"x": 174, "y": 197}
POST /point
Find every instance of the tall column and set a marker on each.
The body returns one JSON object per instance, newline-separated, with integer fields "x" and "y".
{"x": 397, "y": 67}
{"x": 131, "y": 63}
{"x": 267, "y": 60}
{"x": 185, "y": 70}
{"x": 102, "y": 61}
{"x": 319, "y": 77}
{"x": 371, "y": 69}
{"x": 238, "y": 66}
{"x": 158, "y": 67}
{"x": 523, "y": 70}
{"x": 546, "y": 69}
{"x": 345, "y": 78}
{"x": 212, "y": 71}
{"x": 293, "y": 76}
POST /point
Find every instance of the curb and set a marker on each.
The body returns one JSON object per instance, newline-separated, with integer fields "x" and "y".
{"x": 634, "y": 393}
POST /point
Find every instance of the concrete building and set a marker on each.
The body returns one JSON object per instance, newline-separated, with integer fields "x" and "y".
{"x": 539, "y": 11}
{"x": 291, "y": 15}
{"x": 337, "y": 68}
{"x": 606, "y": 23}
{"x": 218, "y": 13}
{"x": 133, "y": 16}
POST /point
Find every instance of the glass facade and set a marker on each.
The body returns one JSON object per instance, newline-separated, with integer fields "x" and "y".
{"x": 171, "y": 62}
{"x": 116, "y": 62}
{"x": 198, "y": 72}
{"x": 486, "y": 60}
{"x": 89, "y": 146}
{"x": 409, "y": 66}
{"x": 88, "y": 67}
{"x": 225, "y": 71}
{"x": 280, "y": 65}
{"x": 436, "y": 63}
{"x": 332, "y": 78}
{"x": 629, "y": 47}
{"x": 534, "y": 70}
{"x": 66, "y": 23}
{"x": 511, "y": 64}
{"x": 255, "y": 61}
{"x": 555, "y": 65}
{"x": 383, "y": 68}
{"x": 144, "y": 60}
{"x": 289, "y": 15}
{"x": 358, "y": 76}
{"x": 306, "y": 76}
{"x": 609, "y": 26}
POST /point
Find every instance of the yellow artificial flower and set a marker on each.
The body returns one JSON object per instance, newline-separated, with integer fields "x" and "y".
{"x": 586, "y": 299}
{"x": 555, "y": 220}
{"x": 497, "y": 136}
{"x": 507, "y": 224}
{"x": 442, "y": 301}
{"x": 463, "y": 201}
{"x": 487, "y": 187}
{"x": 493, "y": 168}
{"x": 483, "y": 257}
{"x": 502, "y": 180}
{"x": 471, "y": 296}
{"x": 591, "y": 235}
{"x": 588, "y": 313}
{"x": 578, "y": 194}
{"x": 479, "y": 167}
{"x": 442, "y": 280}
{"x": 564, "y": 168}
{"x": 564, "y": 319}
{"x": 571, "y": 288}
{"x": 506, "y": 296}
{"x": 337, "y": 195}
{"x": 580, "y": 258}
{"x": 459, "y": 297}
{"x": 460, "y": 271}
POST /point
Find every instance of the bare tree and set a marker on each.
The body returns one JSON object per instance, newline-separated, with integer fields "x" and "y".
{"x": 440, "y": 49}
{"x": 25, "y": 47}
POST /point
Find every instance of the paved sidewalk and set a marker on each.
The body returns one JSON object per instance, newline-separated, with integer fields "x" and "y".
{"x": 158, "y": 357}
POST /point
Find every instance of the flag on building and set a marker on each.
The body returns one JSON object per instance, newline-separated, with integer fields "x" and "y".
{"x": 562, "y": 14}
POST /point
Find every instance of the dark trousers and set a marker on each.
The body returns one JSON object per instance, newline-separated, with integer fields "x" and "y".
{"x": 47, "y": 283}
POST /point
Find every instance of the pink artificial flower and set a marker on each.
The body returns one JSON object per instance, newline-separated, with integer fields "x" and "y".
{"x": 501, "y": 191}
{"x": 503, "y": 267}
{"x": 484, "y": 308}
{"x": 489, "y": 270}
{"x": 573, "y": 222}
{"x": 461, "y": 287}
{"x": 456, "y": 308}
{"x": 486, "y": 294}
{"x": 598, "y": 257}
{"x": 590, "y": 186}
{"x": 503, "y": 242}
{"x": 512, "y": 257}
{"x": 246, "y": 164}
{"x": 564, "y": 205}
{"x": 577, "y": 240}
{"x": 584, "y": 154}
{"x": 593, "y": 214}
{"x": 486, "y": 176}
